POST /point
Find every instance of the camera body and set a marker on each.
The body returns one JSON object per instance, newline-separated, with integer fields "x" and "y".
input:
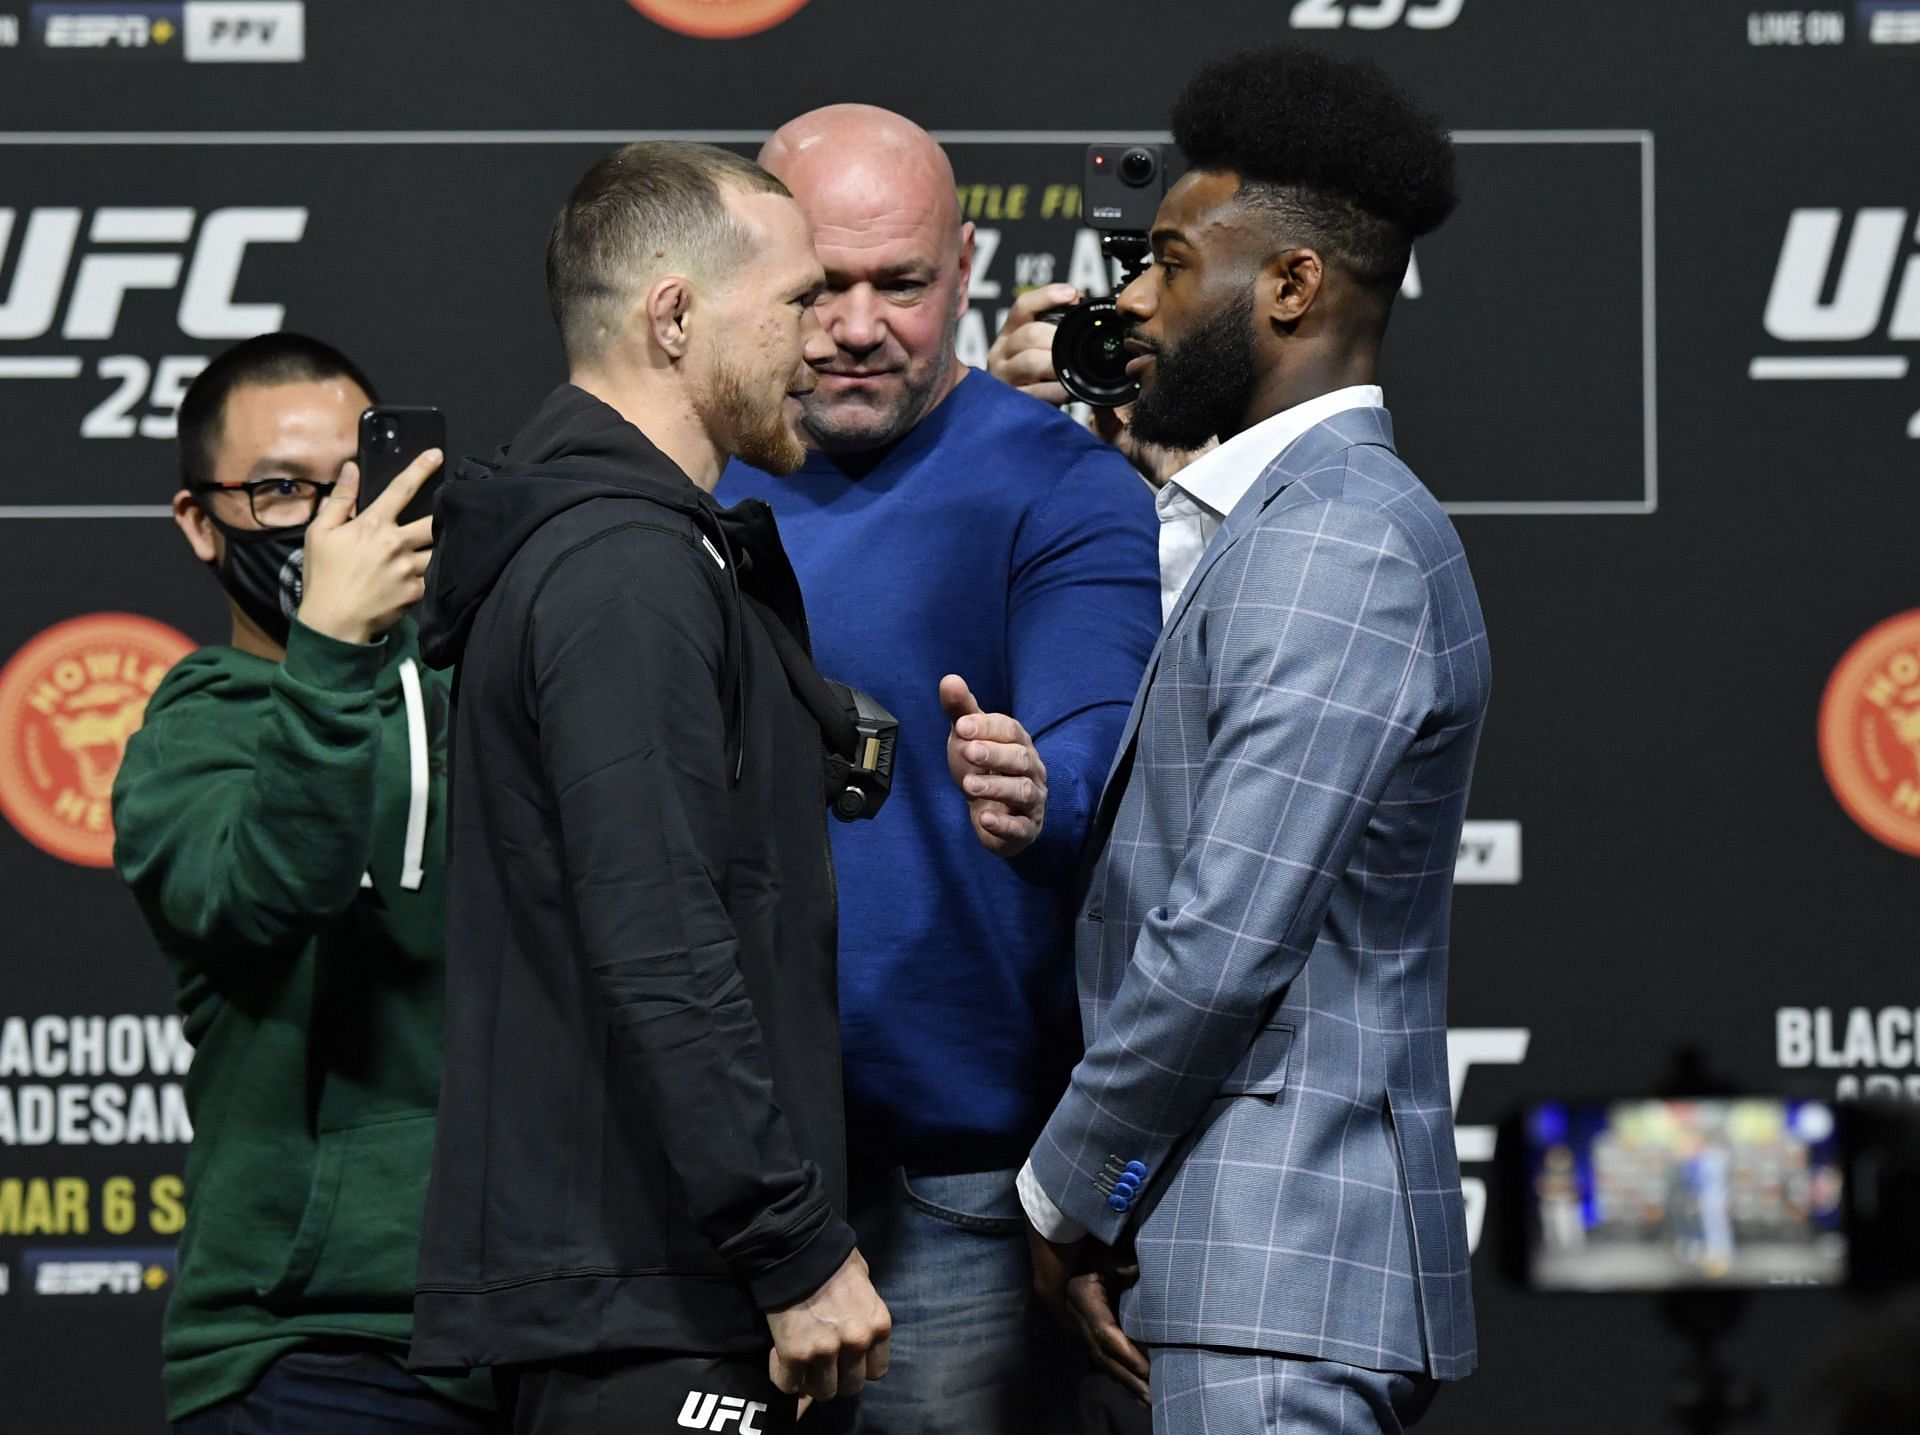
{"x": 1120, "y": 193}
{"x": 1122, "y": 188}
{"x": 859, "y": 782}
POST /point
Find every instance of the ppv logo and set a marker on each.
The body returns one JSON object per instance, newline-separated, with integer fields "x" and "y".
{"x": 217, "y": 31}
{"x": 1375, "y": 15}
{"x": 167, "y": 249}
{"x": 716, "y": 1412}
{"x": 274, "y": 31}
{"x": 1827, "y": 292}
{"x": 1489, "y": 854}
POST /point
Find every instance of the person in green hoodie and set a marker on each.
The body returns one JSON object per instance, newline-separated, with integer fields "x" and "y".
{"x": 279, "y": 820}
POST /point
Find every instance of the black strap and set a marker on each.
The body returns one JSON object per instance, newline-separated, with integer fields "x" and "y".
{"x": 827, "y": 707}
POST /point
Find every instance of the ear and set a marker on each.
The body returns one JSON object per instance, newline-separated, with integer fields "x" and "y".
{"x": 666, "y": 309}
{"x": 202, "y": 537}
{"x": 1290, "y": 284}
{"x": 966, "y": 266}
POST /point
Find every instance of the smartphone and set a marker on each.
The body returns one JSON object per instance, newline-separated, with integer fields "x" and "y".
{"x": 391, "y": 437}
{"x": 1652, "y": 1194}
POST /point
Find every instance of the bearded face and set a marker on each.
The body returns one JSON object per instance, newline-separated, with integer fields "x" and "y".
{"x": 754, "y": 417}
{"x": 1198, "y": 386}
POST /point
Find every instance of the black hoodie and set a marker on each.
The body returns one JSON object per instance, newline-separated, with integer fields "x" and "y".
{"x": 640, "y": 1139}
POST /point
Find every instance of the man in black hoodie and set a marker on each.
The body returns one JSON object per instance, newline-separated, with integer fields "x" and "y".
{"x": 637, "y": 1209}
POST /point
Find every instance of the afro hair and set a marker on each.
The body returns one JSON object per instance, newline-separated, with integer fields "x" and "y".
{"x": 1332, "y": 145}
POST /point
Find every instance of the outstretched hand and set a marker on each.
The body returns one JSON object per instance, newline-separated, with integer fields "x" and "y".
{"x": 995, "y": 764}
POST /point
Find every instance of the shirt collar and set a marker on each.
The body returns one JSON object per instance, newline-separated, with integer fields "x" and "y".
{"x": 1219, "y": 479}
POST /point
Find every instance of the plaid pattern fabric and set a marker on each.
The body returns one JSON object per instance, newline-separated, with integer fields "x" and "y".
{"x": 1222, "y": 1392}
{"x": 1263, "y": 947}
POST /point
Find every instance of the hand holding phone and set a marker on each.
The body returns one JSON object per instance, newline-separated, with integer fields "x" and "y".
{"x": 392, "y": 436}
{"x": 364, "y": 567}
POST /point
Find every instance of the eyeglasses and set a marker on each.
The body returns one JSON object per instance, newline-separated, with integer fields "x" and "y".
{"x": 277, "y": 502}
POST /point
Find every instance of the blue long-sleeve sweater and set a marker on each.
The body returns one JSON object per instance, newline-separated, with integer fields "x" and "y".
{"x": 1000, "y": 541}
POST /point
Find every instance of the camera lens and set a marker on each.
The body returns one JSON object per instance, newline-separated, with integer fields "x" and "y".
{"x": 1090, "y": 355}
{"x": 1138, "y": 167}
{"x": 387, "y": 439}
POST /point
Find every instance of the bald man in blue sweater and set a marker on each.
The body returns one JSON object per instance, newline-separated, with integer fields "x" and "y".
{"x": 947, "y": 526}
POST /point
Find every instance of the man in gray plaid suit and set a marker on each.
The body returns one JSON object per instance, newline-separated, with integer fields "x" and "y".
{"x": 1262, "y": 1115}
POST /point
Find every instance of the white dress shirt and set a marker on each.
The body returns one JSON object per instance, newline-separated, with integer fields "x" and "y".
{"x": 1197, "y": 499}
{"x": 1192, "y": 506}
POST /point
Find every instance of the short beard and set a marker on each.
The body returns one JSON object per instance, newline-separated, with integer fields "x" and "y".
{"x": 856, "y": 428}
{"x": 1203, "y": 386}
{"x": 757, "y": 433}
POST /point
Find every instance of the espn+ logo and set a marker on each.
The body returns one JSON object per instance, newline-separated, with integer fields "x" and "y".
{"x": 1841, "y": 280}
{"x": 704, "y": 1411}
{"x": 96, "y": 262}
{"x": 1375, "y": 14}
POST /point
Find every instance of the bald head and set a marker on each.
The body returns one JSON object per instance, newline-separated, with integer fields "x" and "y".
{"x": 880, "y": 195}
{"x": 861, "y": 158}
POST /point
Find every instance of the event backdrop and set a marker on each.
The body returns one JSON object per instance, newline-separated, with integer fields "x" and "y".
{"x": 1658, "y": 367}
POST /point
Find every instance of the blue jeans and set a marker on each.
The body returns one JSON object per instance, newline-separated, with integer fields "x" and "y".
{"x": 337, "y": 1390}
{"x": 973, "y": 1353}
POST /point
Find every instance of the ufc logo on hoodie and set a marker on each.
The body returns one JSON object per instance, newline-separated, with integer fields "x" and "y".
{"x": 716, "y": 1412}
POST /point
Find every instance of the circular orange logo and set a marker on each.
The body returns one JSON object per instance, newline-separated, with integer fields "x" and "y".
{"x": 69, "y": 700}
{"x": 1870, "y": 732}
{"x": 717, "y": 19}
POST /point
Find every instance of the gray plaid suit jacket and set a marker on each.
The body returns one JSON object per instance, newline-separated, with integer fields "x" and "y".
{"x": 1262, "y": 950}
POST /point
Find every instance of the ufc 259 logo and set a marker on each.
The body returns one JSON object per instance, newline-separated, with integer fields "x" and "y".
{"x": 1845, "y": 281}
{"x": 1468, "y": 1047}
{"x": 1814, "y": 299}
{"x": 96, "y": 261}
{"x": 1375, "y": 14}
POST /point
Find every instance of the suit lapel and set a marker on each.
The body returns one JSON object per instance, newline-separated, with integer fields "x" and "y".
{"x": 1307, "y": 453}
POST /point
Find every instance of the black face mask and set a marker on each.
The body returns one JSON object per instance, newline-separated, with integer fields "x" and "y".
{"x": 262, "y": 573}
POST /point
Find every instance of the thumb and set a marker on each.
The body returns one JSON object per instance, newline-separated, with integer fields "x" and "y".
{"x": 957, "y": 698}
{"x": 337, "y": 507}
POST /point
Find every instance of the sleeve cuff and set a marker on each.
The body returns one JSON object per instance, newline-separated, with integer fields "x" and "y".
{"x": 806, "y": 1270}
{"x": 1054, "y": 856}
{"x": 317, "y": 661}
{"x": 1045, "y": 1217}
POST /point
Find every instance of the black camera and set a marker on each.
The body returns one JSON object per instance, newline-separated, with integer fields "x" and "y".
{"x": 1120, "y": 195}
{"x": 859, "y": 780}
